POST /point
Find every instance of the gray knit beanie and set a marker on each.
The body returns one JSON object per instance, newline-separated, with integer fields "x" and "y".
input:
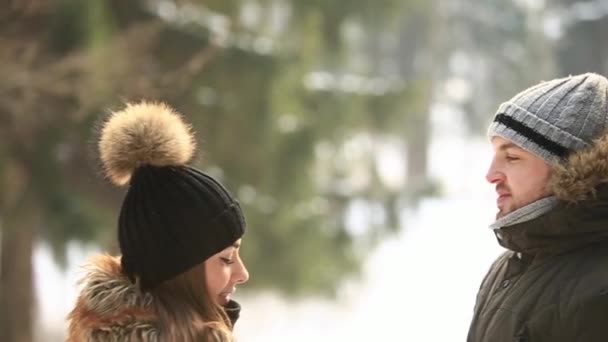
{"x": 554, "y": 118}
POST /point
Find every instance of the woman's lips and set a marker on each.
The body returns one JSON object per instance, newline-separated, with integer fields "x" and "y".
{"x": 225, "y": 297}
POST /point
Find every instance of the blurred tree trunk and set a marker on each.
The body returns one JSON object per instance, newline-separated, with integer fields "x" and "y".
{"x": 18, "y": 223}
{"x": 16, "y": 281}
{"x": 581, "y": 48}
{"x": 417, "y": 142}
{"x": 418, "y": 52}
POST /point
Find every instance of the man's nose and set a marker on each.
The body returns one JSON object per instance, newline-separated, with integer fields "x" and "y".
{"x": 494, "y": 174}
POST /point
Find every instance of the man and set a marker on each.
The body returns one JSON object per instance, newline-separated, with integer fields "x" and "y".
{"x": 550, "y": 170}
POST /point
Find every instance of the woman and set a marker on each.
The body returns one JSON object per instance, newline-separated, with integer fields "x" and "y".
{"x": 179, "y": 232}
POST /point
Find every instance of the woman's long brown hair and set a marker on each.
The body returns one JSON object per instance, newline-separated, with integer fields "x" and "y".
{"x": 186, "y": 311}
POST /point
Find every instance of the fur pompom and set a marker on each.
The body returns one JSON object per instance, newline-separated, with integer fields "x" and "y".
{"x": 143, "y": 133}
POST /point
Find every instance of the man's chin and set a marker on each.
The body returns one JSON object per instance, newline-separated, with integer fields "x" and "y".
{"x": 501, "y": 213}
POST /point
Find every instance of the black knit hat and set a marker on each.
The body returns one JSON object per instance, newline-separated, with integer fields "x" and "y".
{"x": 173, "y": 216}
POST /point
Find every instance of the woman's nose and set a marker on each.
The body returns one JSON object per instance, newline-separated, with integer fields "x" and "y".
{"x": 242, "y": 275}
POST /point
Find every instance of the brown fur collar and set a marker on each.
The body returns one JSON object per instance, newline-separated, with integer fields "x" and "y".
{"x": 579, "y": 177}
{"x": 110, "y": 307}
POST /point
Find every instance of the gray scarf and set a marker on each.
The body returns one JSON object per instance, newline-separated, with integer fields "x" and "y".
{"x": 526, "y": 213}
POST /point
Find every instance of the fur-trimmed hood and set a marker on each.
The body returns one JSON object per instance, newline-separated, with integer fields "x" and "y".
{"x": 111, "y": 308}
{"x": 579, "y": 177}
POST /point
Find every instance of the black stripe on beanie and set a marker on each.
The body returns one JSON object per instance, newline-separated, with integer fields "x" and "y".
{"x": 532, "y": 135}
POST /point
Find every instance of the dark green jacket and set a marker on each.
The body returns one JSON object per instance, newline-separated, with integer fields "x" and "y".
{"x": 552, "y": 283}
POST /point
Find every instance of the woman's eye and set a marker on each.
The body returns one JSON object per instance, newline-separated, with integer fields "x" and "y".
{"x": 227, "y": 261}
{"x": 512, "y": 158}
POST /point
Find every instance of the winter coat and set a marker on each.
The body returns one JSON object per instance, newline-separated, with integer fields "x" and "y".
{"x": 112, "y": 309}
{"x": 552, "y": 283}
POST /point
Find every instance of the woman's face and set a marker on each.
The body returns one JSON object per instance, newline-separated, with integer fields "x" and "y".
{"x": 223, "y": 272}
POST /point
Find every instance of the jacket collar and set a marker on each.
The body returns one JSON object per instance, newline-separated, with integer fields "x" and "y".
{"x": 567, "y": 226}
{"x": 233, "y": 311}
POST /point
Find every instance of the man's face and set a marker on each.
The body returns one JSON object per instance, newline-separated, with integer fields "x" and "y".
{"x": 520, "y": 177}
